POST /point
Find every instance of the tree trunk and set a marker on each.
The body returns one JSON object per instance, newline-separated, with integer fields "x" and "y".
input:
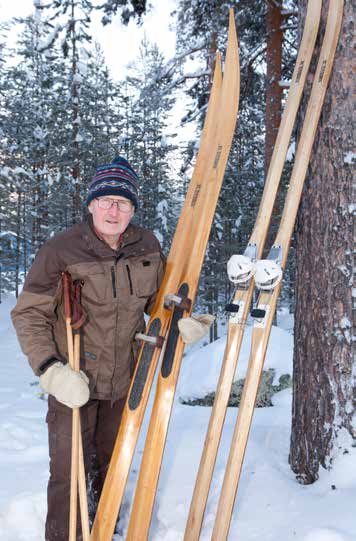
{"x": 24, "y": 225}
{"x": 322, "y": 381}
{"x": 18, "y": 242}
{"x": 274, "y": 94}
{"x": 274, "y": 75}
{"x": 1, "y": 217}
{"x": 77, "y": 204}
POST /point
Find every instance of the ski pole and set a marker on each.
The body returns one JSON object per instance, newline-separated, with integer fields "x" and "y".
{"x": 74, "y": 320}
{"x": 67, "y": 286}
{"x": 77, "y": 321}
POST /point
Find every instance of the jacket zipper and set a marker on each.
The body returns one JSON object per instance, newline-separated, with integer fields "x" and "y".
{"x": 113, "y": 281}
{"x": 129, "y": 277}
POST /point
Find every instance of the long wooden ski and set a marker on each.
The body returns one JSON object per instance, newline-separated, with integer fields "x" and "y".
{"x": 167, "y": 380}
{"x": 157, "y": 328}
{"x": 243, "y": 294}
{"x": 267, "y": 302}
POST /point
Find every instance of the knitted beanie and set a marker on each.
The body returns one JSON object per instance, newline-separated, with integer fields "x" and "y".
{"x": 116, "y": 178}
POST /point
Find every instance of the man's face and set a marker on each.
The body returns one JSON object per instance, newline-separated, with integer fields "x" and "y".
{"x": 114, "y": 220}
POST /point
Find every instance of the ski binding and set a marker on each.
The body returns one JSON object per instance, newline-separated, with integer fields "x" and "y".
{"x": 268, "y": 272}
{"x": 236, "y": 311}
{"x": 241, "y": 268}
{"x": 171, "y": 300}
{"x": 156, "y": 341}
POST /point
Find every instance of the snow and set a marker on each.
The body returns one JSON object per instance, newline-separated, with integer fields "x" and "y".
{"x": 5, "y": 233}
{"x": 39, "y": 133}
{"x": 5, "y": 171}
{"x": 290, "y": 152}
{"x": 158, "y": 235}
{"x": 20, "y": 171}
{"x": 77, "y": 78}
{"x": 44, "y": 44}
{"x": 270, "y": 504}
{"x": 350, "y": 157}
{"x": 342, "y": 268}
{"x": 321, "y": 534}
{"x": 279, "y": 357}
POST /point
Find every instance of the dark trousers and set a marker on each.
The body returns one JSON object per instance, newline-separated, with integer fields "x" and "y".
{"x": 100, "y": 423}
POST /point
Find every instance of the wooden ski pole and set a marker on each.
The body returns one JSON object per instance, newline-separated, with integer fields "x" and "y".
{"x": 67, "y": 287}
{"x": 77, "y": 321}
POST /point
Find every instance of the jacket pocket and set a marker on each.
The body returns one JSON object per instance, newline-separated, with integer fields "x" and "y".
{"x": 144, "y": 273}
{"x": 89, "y": 362}
{"x": 96, "y": 283}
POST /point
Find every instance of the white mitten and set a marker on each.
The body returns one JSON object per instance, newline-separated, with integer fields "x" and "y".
{"x": 67, "y": 386}
{"x": 194, "y": 328}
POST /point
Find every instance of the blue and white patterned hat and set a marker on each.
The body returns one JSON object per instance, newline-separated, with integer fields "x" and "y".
{"x": 116, "y": 178}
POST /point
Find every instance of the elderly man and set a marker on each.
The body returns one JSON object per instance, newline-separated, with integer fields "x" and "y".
{"x": 121, "y": 266}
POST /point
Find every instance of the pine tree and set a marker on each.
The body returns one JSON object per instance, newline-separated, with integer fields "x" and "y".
{"x": 201, "y": 30}
{"x": 74, "y": 18}
{"x": 27, "y": 122}
{"x": 100, "y": 117}
{"x": 38, "y": 134}
{"x": 151, "y": 147}
{"x": 323, "y": 418}
{"x": 128, "y": 9}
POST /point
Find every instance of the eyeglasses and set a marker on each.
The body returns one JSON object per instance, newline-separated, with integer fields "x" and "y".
{"x": 106, "y": 203}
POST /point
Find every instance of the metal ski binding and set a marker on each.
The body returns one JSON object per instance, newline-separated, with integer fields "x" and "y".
{"x": 156, "y": 341}
{"x": 171, "y": 300}
{"x": 258, "y": 313}
{"x": 236, "y": 311}
{"x": 268, "y": 272}
{"x": 240, "y": 268}
{"x": 231, "y": 307}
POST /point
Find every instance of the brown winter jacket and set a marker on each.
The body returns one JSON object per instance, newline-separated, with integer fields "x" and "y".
{"x": 119, "y": 286}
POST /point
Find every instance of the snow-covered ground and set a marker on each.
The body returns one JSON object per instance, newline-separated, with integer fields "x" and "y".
{"x": 270, "y": 505}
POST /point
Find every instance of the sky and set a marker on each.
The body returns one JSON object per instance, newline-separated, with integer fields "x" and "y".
{"x": 119, "y": 43}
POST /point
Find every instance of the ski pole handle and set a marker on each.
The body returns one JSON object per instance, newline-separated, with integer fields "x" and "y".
{"x": 67, "y": 289}
{"x": 78, "y": 315}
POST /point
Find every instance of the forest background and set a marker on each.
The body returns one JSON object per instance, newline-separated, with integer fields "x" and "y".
{"x": 62, "y": 113}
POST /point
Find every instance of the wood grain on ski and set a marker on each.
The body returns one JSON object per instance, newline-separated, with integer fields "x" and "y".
{"x": 243, "y": 296}
{"x": 267, "y": 301}
{"x": 116, "y": 478}
{"x": 157, "y": 432}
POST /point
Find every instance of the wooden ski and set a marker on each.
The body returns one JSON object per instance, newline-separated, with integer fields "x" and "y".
{"x": 243, "y": 294}
{"x": 167, "y": 380}
{"x": 267, "y": 302}
{"x": 116, "y": 478}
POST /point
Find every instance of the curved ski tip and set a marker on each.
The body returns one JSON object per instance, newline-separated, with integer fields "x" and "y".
{"x": 232, "y": 34}
{"x": 217, "y": 78}
{"x": 232, "y": 19}
{"x": 232, "y": 49}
